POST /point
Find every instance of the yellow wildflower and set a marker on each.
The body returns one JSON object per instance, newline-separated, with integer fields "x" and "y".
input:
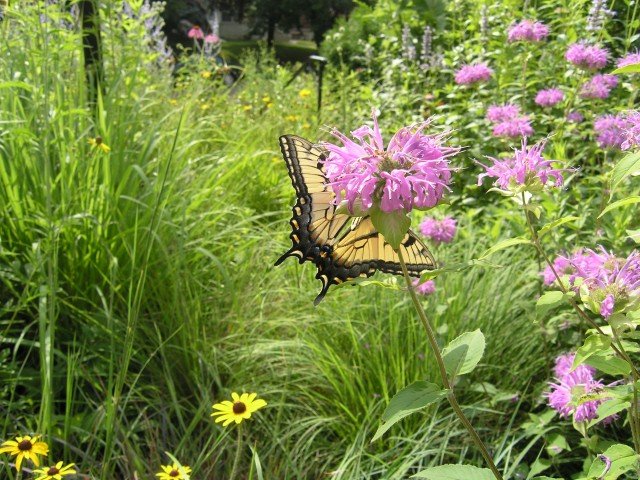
{"x": 246, "y": 108}
{"x": 291, "y": 118}
{"x": 266, "y": 99}
{"x": 174, "y": 472}
{"x": 55, "y": 472}
{"x": 25, "y": 448}
{"x": 240, "y": 409}
{"x": 304, "y": 93}
{"x": 205, "y": 74}
{"x": 99, "y": 143}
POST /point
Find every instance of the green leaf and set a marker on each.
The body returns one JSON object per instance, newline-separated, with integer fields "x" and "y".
{"x": 548, "y": 301}
{"x": 456, "y": 267}
{"x": 633, "y": 68}
{"x": 609, "y": 364}
{"x": 620, "y": 203}
{"x": 608, "y": 408}
{"x": 629, "y": 165}
{"x": 463, "y": 353}
{"x": 556, "y": 223}
{"x": 509, "y": 242}
{"x": 592, "y": 344}
{"x": 556, "y": 443}
{"x": 408, "y": 400}
{"x": 539, "y": 466}
{"x": 622, "y": 457}
{"x": 393, "y": 225}
{"x": 456, "y": 472}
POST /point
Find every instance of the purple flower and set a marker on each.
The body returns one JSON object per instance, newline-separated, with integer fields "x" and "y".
{"x": 563, "y": 366}
{"x": 562, "y": 266}
{"x": 599, "y": 86}
{"x": 566, "y": 394}
{"x": 549, "y": 97}
{"x": 606, "y": 307}
{"x": 632, "y": 130}
{"x": 513, "y": 128}
{"x": 425, "y": 288}
{"x": 575, "y": 117}
{"x": 195, "y": 32}
{"x": 610, "y": 130}
{"x": 468, "y": 74}
{"x": 527, "y": 31}
{"x": 413, "y": 171}
{"x": 440, "y": 231}
{"x": 501, "y": 113}
{"x": 587, "y": 57}
{"x": 629, "y": 59}
{"x": 527, "y": 170}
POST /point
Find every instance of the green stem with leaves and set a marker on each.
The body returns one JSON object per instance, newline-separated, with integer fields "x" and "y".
{"x": 443, "y": 371}
{"x": 236, "y": 459}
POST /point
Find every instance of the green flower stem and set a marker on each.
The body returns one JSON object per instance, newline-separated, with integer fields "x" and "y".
{"x": 236, "y": 459}
{"x": 633, "y": 411}
{"x": 443, "y": 372}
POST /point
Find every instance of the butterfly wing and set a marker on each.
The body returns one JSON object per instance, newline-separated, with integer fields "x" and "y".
{"x": 342, "y": 247}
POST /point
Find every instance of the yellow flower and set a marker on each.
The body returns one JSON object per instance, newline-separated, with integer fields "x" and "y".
{"x": 266, "y": 99}
{"x": 99, "y": 143}
{"x": 204, "y": 106}
{"x": 173, "y": 102}
{"x": 25, "y": 447}
{"x": 304, "y": 93}
{"x": 174, "y": 472}
{"x": 55, "y": 472}
{"x": 205, "y": 74}
{"x": 240, "y": 409}
{"x": 269, "y": 105}
{"x": 291, "y": 118}
{"x": 246, "y": 108}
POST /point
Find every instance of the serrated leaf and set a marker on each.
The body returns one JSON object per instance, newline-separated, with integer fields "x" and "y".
{"x": 407, "y": 401}
{"x": 622, "y": 457}
{"x": 455, "y": 472}
{"x": 509, "y": 242}
{"x": 393, "y": 226}
{"x": 632, "y": 68}
{"x": 548, "y": 301}
{"x": 463, "y": 353}
{"x": 556, "y": 223}
{"x": 608, "y": 408}
{"x": 620, "y": 203}
{"x": 628, "y": 165}
{"x": 609, "y": 364}
{"x": 592, "y": 344}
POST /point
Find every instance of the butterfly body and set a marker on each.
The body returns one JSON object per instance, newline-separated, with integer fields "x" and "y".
{"x": 342, "y": 247}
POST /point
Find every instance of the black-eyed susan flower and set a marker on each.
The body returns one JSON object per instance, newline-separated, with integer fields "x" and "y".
{"x": 98, "y": 142}
{"x": 25, "y": 448}
{"x": 174, "y": 472}
{"x": 55, "y": 472}
{"x": 239, "y": 409}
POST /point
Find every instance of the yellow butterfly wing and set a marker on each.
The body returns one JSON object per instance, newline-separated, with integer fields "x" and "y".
{"x": 342, "y": 247}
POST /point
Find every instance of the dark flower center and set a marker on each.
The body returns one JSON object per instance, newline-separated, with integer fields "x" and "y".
{"x": 53, "y": 471}
{"x": 25, "y": 446}
{"x": 174, "y": 473}
{"x": 98, "y": 140}
{"x": 239, "y": 408}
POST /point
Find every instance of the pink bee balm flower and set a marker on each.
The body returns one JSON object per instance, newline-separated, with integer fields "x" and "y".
{"x": 566, "y": 396}
{"x": 413, "y": 171}
{"x": 629, "y": 59}
{"x": 527, "y": 170}
{"x": 549, "y": 97}
{"x": 587, "y": 57}
{"x": 195, "y": 32}
{"x": 502, "y": 113}
{"x": 469, "y": 74}
{"x": 211, "y": 38}
{"x": 561, "y": 265}
{"x": 527, "y": 31}
{"x": 425, "y": 288}
{"x": 599, "y": 86}
{"x": 606, "y": 307}
{"x": 610, "y": 130}
{"x": 440, "y": 231}
{"x": 575, "y": 117}
{"x": 632, "y": 131}
{"x": 513, "y": 128}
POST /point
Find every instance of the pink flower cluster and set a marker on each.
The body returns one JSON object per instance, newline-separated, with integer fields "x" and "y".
{"x": 569, "y": 387}
{"x": 611, "y": 130}
{"x": 575, "y": 117}
{"x": 588, "y": 57}
{"x": 599, "y": 86}
{"x": 508, "y": 122}
{"x": 526, "y": 170}
{"x": 632, "y": 131}
{"x": 196, "y": 33}
{"x": 439, "y": 231}
{"x": 549, "y": 97}
{"x": 424, "y": 288}
{"x": 527, "y": 31}
{"x": 468, "y": 74}
{"x": 629, "y": 59}
{"x": 413, "y": 171}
